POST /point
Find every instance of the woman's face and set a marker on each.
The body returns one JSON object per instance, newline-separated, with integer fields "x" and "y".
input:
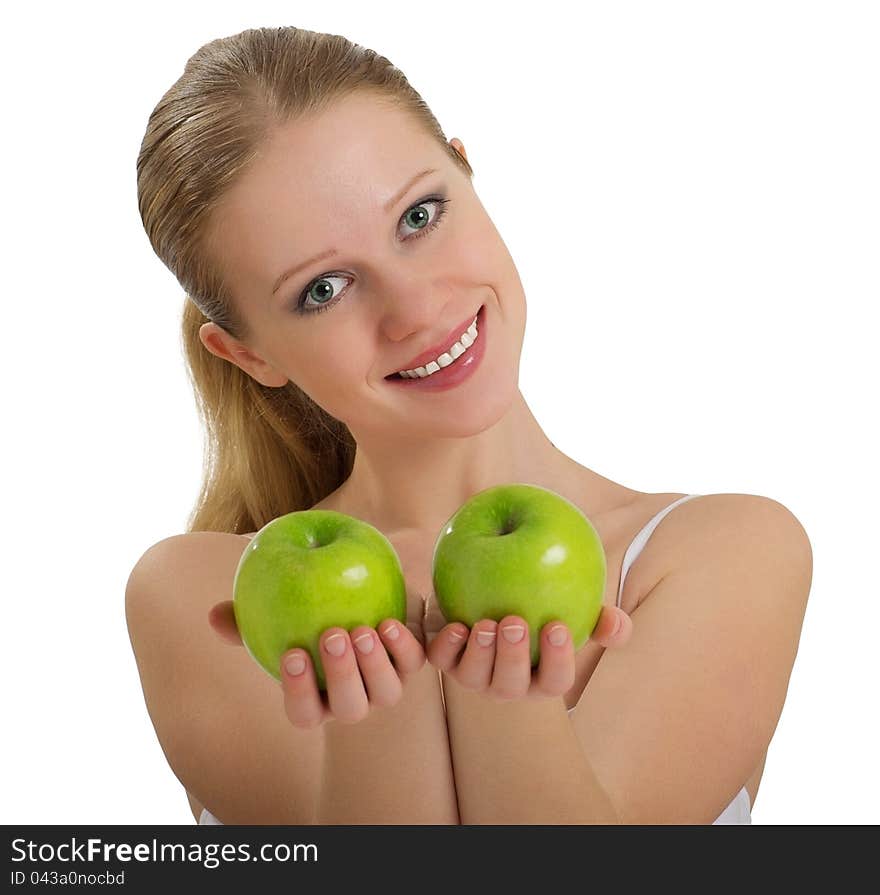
{"x": 401, "y": 279}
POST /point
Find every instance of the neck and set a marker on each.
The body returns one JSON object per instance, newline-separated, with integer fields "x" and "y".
{"x": 415, "y": 486}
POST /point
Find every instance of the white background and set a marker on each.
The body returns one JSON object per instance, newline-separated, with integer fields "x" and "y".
{"x": 690, "y": 191}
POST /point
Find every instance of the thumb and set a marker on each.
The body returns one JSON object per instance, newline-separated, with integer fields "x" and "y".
{"x": 221, "y": 618}
{"x": 613, "y": 628}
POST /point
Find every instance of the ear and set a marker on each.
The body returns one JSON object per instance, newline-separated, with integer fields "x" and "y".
{"x": 458, "y": 146}
{"x": 220, "y": 343}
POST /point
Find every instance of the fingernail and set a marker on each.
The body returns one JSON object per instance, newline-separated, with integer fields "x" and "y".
{"x": 364, "y": 643}
{"x": 513, "y": 633}
{"x": 295, "y": 664}
{"x": 454, "y": 636}
{"x": 484, "y": 638}
{"x": 617, "y": 625}
{"x": 557, "y": 635}
{"x": 392, "y": 632}
{"x": 335, "y": 644}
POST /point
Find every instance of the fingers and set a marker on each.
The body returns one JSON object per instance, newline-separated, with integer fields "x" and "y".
{"x": 303, "y": 703}
{"x": 358, "y": 672}
{"x": 556, "y": 668}
{"x": 403, "y": 646}
{"x": 496, "y": 659}
{"x": 383, "y": 684}
{"x": 512, "y": 675}
{"x": 222, "y": 619}
{"x": 346, "y": 694}
{"x": 613, "y": 629}
{"x": 445, "y": 646}
{"x": 475, "y": 668}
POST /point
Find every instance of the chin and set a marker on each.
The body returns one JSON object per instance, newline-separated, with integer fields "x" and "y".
{"x": 468, "y": 417}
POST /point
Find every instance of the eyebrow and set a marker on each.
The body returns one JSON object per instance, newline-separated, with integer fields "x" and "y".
{"x": 330, "y": 252}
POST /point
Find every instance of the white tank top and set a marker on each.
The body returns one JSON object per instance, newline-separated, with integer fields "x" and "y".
{"x": 739, "y": 810}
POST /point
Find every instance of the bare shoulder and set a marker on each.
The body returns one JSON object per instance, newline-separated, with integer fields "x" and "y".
{"x": 679, "y": 721}
{"x": 724, "y": 526}
{"x": 184, "y": 552}
{"x": 219, "y": 717}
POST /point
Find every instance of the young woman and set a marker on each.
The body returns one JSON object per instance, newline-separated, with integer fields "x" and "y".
{"x": 353, "y": 328}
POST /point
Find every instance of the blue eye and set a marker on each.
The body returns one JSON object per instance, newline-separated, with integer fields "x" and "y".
{"x": 324, "y": 301}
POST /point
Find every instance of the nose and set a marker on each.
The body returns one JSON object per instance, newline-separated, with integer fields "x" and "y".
{"x": 417, "y": 312}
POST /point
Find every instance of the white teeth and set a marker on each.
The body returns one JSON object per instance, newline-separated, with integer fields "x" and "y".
{"x": 467, "y": 338}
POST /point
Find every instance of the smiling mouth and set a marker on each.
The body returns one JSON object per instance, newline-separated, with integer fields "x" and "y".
{"x": 460, "y": 348}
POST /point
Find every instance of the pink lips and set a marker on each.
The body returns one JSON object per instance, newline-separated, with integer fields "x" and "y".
{"x": 435, "y": 351}
{"x": 453, "y": 375}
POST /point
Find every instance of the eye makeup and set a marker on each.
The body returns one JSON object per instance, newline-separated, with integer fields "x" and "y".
{"x": 304, "y": 309}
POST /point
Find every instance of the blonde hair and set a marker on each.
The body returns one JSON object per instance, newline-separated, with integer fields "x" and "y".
{"x": 268, "y": 451}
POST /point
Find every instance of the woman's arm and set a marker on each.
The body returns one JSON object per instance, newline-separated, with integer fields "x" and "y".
{"x": 384, "y": 753}
{"x": 677, "y": 723}
{"x": 670, "y": 727}
{"x": 218, "y": 716}
{"x": 394, "y": 766}
{"x": 520, "y": 762}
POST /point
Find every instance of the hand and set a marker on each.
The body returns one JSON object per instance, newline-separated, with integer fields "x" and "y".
{"x": 490, "y": 664}
{"x": 350, "y": 677}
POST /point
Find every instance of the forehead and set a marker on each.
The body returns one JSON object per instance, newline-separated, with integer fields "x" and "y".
{"x": 359, "y": 148}
{"x": 319, "y": 183}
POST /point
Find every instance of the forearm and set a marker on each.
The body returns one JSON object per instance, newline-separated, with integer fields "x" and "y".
{"x": 393, "y": 767}
{"x": 520, "y": 762}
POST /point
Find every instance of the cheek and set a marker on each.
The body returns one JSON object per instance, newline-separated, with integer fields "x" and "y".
{"x": 332, "y": 367}
{"x": 480, "y": 254}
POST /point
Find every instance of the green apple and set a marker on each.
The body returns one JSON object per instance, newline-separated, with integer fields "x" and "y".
{"x": 308, "y": 571}
{"x": 521, "y": 550}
